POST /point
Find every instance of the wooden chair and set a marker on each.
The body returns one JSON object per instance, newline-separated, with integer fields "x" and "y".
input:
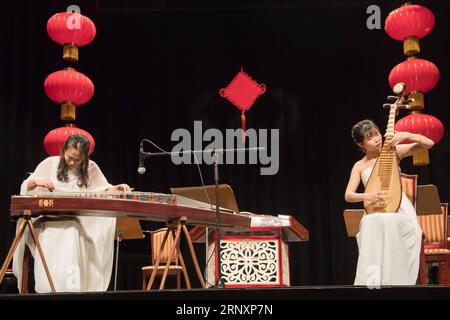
{"x": 409, "y": 187}
{"x": 434, "y": 226}
{"x": 175, "y": 268}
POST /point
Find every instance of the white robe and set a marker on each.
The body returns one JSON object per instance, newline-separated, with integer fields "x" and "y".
{"x": 389, "y": 246}
{"x": 78, "y": 250}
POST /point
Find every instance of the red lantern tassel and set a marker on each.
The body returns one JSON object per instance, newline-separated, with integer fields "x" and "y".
{"x": 243, "y": 127}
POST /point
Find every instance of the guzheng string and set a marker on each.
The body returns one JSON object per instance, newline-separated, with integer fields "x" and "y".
{"x": 134, "y": 195}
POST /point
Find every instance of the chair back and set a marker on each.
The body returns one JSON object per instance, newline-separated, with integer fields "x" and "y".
{"x": 157, "y": 238}
{"x": 434, "y": 227}
{"x": 409, "y": 186}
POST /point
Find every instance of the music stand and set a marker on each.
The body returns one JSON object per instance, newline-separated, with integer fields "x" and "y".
{"x": 226, "y": 200}
{"x": 352, "y": 219}
{"x": 126, "y": 229}
{"x": 428, "y": 201}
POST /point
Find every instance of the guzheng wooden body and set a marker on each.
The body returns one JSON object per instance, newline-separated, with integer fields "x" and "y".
{"x": 291, "y": 229}
{"x": 145, "y": 206}
{"x": 385, "y": 177}
{"x": 255, "y": 257}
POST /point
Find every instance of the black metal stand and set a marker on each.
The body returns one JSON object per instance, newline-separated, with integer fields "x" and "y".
{"x": 220, "y": 282}
{"x": 143, "y": 155}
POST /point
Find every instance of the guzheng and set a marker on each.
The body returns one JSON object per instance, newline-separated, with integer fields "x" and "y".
{"x": 141, "y": 205}
{"x": 291, "y": 229}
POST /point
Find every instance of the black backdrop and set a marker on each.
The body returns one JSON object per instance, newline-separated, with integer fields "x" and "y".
{"x": 158, "y": 66}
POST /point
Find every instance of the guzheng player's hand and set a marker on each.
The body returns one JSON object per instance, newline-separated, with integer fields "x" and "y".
{"x": 46, "y": 183}
{"x": 120, "y": 187}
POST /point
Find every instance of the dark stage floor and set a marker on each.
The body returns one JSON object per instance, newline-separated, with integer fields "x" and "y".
{"x": 432, "y": 292}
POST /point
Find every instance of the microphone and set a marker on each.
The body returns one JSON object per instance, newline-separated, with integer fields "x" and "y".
{"x": 141, "y": 168}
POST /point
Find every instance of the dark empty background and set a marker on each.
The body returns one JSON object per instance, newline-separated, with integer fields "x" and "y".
{"x": 158, "y": 66}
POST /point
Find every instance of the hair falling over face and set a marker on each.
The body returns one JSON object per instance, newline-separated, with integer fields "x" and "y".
{"x": 81, "y": 144}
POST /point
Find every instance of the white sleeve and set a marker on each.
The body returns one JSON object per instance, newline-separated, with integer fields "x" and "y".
{"x": 97, "y": 181}
{"x": 44, "y": 170}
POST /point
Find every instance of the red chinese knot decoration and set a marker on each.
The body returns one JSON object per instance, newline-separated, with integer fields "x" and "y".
{"x": 242, "y": 91}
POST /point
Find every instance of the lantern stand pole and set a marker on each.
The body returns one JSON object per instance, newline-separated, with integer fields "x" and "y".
{"x": 220, "y": 283}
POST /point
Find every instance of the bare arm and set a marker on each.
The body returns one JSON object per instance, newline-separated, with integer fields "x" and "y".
{"x": 355, "y": 179}
{"x": 350, "y": 193}
{"x": 420, "y": 143}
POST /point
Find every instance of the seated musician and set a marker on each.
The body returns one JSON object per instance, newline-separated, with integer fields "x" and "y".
{"x": 78, "y": 250}
{"x": 389, "y": 244}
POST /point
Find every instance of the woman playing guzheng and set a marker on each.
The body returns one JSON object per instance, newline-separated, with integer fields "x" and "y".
{"x": 78, "y": 250}
{"x": 389, "y": 244}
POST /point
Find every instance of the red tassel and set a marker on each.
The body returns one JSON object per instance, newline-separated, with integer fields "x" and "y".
{"x": 243, "y": 127}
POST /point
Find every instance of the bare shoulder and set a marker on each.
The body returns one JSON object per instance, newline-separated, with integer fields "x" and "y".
{"x": 358, "y": 166}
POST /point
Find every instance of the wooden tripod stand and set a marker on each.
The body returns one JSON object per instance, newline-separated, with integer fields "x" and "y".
{"x": 26, "y": 222}
{"x": 174, "y": 228}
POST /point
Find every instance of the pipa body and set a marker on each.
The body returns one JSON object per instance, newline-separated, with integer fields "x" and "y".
{"x": 385, "y": 177}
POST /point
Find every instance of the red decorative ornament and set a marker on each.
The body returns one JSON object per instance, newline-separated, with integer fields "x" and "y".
{"x": 69, "y": 87}
{"x": 424, "y": 124}
{"x": 72, "y": 30}
{"x": 418, "y": 75}
{"x": 411, "y": 20}
{"x": 55, "y": 139}
{"x": 410, "y": 23}
{"x": 242, "y": 91}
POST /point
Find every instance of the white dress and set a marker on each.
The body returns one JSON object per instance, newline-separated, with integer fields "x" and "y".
{"x": 78, "y": 250}
{"x": 389, "y": 246}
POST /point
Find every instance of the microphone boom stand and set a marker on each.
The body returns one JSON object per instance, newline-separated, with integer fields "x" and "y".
{"x": 220, "y": 281}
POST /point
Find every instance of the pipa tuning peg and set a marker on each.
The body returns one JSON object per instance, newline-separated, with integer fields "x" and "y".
{"x": 393, "y": 98}
{"x": 399, "y": 88}
{"x": 387, "y": 105}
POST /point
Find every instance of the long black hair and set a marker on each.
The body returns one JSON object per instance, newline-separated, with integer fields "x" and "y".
{"x": 81, "y": 144}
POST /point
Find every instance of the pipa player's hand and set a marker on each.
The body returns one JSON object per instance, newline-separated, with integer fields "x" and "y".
{"x": 375, "y": 197}
{"x": 399, "y": 137}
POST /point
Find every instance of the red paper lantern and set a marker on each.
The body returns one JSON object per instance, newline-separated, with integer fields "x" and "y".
{"x": 418, "y": 75}
{"x": 55, "y": 139}
{"x": 69, "y": 87}
{"x": 424, "y": 124}
{"x": 410, "y": 23}
{"x": 72, "y": 30}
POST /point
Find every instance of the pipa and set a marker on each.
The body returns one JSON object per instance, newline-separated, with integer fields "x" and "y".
{"x": 385, "y": 177}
